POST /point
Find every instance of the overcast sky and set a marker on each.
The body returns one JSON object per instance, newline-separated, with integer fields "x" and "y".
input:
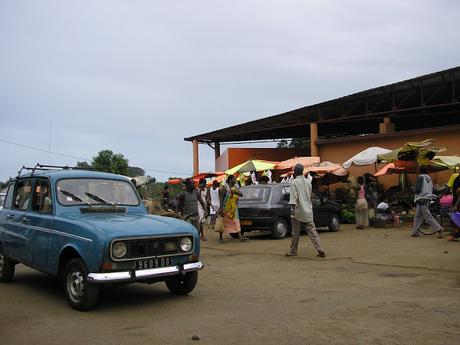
{"x": 138, "y": 76}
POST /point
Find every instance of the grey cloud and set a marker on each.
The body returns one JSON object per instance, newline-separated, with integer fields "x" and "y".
{"x": 139, "y": 76}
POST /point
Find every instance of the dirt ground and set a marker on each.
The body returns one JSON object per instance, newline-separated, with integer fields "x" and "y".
{"x": 376, "y": 286}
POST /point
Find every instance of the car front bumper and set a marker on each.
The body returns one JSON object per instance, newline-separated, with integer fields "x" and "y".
{"x": 137, "y": 275}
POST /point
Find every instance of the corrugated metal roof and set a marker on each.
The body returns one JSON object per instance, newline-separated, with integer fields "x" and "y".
{"x": 426, "y": 101}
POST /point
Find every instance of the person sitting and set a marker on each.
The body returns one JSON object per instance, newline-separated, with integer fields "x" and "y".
{"x": 385, "y": 213}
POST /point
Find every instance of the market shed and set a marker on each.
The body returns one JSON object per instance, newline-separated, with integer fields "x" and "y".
{"x": 416, "y": 107}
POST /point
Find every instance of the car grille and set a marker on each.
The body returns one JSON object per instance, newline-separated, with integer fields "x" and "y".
{"x": 153, "y": 247}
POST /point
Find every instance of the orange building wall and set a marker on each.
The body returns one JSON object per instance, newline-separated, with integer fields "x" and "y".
{"x": 234, "y": 156}
{"x": 339, "y": 150}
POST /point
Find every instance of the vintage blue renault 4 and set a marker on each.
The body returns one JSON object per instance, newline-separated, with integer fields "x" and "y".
{"x": 91, "y": 228}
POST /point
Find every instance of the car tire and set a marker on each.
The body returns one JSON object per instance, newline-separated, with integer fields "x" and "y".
{"x": 280, "y": 229}
{"x": 81, "y": 295}
{"x": 182, "y": 285}
{"x": 334, "y": 223}
{"x": 6, "y": 267}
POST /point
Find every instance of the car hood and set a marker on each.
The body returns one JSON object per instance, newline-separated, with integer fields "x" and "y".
{"x": 135, "y": 224}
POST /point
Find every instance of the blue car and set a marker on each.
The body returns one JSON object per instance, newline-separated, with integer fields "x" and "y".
{"x": 90, "y": 228}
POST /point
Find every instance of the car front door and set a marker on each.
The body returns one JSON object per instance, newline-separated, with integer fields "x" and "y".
{"x": 41, "y": 221}
{"x": 17, "y": 221}
{"x": 319, "y": 211}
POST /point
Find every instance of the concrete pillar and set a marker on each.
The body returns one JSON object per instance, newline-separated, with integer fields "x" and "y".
{"x": 196, "y": 161}
{"x": 313, "y": 139}
{"x": 216, "y": 150}
{"x": 386, "y": 126}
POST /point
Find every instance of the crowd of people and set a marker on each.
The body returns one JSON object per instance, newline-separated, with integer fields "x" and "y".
{"x": 424, "y": 195}
{"x": 203, "y": 206}
{"x": 216, "y": 207}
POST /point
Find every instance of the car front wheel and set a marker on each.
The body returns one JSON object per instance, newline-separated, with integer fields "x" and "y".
{"x": 6, "y": 268}
{"x": 334, "y": 223}
{"x": 280, "y": 229}
{"x": 182, "y": 285}
{"x": 81, "y": 295}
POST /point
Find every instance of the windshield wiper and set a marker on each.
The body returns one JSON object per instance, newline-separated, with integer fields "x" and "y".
{"x": 98, "y": 198}
{"x": 73, "y": 196}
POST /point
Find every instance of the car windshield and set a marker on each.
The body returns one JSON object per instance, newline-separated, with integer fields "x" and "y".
{"x": 255, "y": 193}
{"x": 73, "y": 192}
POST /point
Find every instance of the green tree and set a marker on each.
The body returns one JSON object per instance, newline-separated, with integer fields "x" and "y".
{"x": 107, "y": 161}
{"x": 83, "y": 165}
{"x": 5, "y": 184}
{"x": 135, "y": 171}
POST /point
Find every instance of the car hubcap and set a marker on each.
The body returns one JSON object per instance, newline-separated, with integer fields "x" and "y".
{"x": 335, "y": 223}
{"x": 75, "y": 286}
{"x": 281, "y": 229}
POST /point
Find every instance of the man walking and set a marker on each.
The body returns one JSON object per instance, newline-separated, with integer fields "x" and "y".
{"x": 302, "y": 212}
{"x": 423, "y": 195}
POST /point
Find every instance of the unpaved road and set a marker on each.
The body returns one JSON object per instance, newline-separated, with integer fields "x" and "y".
{"x": 376, "y": 286}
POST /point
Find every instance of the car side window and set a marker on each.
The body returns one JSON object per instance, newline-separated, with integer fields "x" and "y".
{"x": 42, "y": 197}
{"x": 285, "y": 193}
{"x": 9, "y": 196}
{"x": 22, "y": 195}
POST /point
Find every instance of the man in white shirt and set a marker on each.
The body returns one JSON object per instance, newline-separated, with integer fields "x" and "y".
{"x": 302, "y": 212}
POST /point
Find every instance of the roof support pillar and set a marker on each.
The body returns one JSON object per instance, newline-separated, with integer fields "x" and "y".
{"x": 313, "y": 139}
{"x": 196, "y": 162}
{"x": 216, "y": 150}
{"x": 386, "y": 126}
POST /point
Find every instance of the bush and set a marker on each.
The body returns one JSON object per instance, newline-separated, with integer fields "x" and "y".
{"x": 348, "y": 216}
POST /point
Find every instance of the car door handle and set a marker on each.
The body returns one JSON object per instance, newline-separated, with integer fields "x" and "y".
{"x": 26, "y": 219}
{"x": 9, "y": 217}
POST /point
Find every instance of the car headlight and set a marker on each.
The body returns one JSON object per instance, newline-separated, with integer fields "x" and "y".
{"x": 119, "y": 250}
{"x": 186, "y": 244}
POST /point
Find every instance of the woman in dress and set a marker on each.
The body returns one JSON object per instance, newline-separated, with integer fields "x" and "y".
{"x": 362, "y": 210}
{"x": 229, "y": 207}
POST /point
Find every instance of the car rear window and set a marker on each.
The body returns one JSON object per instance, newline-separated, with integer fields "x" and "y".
{"x": 255, "y": 193}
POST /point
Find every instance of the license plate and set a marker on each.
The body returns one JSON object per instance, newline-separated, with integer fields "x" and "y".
{"x": 153, "y": 263}
{"x": 246, "y": 222}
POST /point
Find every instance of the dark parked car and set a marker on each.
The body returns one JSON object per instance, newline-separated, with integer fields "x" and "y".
{"x": 266, "y": 207}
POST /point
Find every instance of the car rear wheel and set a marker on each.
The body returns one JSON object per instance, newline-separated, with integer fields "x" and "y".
{"x": 6, "y": 267}
{"x": 182, "y": 285}
{"x": 280, "y": 229}
{"x": 81, "y": 295}
{"x": 334, "y": 223}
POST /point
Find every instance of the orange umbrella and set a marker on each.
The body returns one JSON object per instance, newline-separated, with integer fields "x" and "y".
{"x": 324, "y": 167}
{"x": 290, "y": 163}
{"x": 389, "y": 169}
{"x": 207, "y": 175}
{"x": 400, "y": 166}
{"x": 175, "y": 181}
{"x": 219, "y": 179}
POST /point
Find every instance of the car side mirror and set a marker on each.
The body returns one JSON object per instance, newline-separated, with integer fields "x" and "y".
{"x": 286, "y": 197}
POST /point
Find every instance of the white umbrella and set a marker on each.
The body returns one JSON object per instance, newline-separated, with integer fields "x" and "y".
{"x": 366, "y": 157}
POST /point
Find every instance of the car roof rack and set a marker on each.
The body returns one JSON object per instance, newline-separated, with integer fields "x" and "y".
{"x": 44, "y": 167}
